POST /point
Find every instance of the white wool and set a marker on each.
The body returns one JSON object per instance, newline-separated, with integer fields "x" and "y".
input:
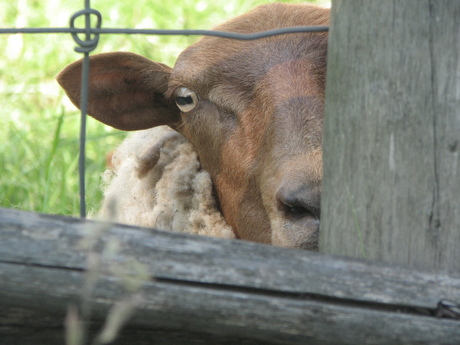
{"x": 157, "y": 181}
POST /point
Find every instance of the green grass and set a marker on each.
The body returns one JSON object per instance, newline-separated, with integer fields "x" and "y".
{"x": 40, "y": 128}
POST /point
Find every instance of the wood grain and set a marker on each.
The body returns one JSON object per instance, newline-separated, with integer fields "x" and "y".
{"x": 209, "y": 289}
{"x": 392, "y": 133}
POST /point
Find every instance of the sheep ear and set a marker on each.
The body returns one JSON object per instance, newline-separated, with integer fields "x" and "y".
{"x": 126, "y": 91}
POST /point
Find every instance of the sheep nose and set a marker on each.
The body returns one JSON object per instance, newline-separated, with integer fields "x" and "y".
{"x": 299, "y": 202}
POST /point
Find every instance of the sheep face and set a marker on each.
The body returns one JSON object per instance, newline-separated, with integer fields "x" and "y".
{"x": 253, "y": 110}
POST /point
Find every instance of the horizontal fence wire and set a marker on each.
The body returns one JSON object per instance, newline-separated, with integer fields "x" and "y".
{"x": 91, "y": 41}
{"x": 159, "y": 32}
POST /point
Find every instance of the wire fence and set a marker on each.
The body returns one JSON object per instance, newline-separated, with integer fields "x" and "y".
{"x": 91, "y": 35}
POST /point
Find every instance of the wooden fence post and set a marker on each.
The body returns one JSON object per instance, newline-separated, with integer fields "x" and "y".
{"x": 392, "y": 133}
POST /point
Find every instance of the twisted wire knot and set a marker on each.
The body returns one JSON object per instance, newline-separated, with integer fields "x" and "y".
{"x": 92, "y": 39}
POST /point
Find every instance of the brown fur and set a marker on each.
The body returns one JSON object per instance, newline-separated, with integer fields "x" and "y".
{"x": 258, "y": 126}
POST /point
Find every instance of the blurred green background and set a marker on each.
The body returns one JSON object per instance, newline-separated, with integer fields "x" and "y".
{"x": 40, "y": 127}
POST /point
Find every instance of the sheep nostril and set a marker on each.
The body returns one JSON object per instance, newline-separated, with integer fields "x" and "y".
{"x": 296, "y": 210}
{"x": 298, "y": 204}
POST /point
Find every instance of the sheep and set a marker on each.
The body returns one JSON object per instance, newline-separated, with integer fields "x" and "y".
{"x": 251, "y": 113}
{"x": 162, "y": 187}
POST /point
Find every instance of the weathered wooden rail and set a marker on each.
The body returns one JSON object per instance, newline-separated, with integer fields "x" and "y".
{"x": 209, "y": 291}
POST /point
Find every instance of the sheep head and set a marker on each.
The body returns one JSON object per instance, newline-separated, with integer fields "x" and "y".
{"x": 253, "y": 110}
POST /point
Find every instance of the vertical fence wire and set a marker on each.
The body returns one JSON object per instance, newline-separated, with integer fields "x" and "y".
{"x": 82, "y": 153}
{"x": 85, "y": 47}
{"x": 84, "y": 110}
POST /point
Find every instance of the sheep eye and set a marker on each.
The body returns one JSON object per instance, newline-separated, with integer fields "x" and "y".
{"x": 186, "y": 99}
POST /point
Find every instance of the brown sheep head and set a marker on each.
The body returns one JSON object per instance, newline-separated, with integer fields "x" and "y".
{"x": 252, "y": 109}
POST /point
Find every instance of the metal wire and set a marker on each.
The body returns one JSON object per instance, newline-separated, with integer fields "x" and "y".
{"x": 85, "y": 47}
{"x": 91, "y": 41}
{"x": 161, "y": 32}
